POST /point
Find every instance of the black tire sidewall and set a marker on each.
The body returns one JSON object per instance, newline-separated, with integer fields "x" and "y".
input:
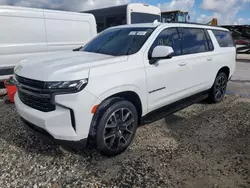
{"x": 101, "y": 127}
{"x": 213, "y": 98}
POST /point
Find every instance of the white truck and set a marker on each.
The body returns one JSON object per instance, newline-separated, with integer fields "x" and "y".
{"x": 132, "y": 13}
{"x": 28, "y": 32}
{"x": 127, "y": 76}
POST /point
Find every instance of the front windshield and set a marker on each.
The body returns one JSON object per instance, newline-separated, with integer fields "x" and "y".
{"x": 119, "y": 41}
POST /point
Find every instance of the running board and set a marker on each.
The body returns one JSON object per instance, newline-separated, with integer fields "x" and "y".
{"x": 172, "y": 108}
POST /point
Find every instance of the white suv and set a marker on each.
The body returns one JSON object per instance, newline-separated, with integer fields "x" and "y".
{"x": 127, "y": 76}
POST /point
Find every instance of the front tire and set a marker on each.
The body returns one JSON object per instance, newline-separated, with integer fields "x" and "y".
{"x": 116, "y": 128}
{"x": 219, "y": 88}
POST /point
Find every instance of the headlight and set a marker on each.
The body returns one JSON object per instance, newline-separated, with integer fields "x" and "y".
{"x": 17, "y": 68}
{"x": 67, "y": 86}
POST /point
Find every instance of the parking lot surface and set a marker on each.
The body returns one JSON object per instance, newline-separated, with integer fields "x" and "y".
{"x": 242, "y": 73}
{"x": 202, "y": 146}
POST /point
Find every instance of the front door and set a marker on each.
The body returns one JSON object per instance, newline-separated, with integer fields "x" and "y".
{"x": 168, "y": 78}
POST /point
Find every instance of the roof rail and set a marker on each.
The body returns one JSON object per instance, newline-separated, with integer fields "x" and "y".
{"x": 194, "y": 23}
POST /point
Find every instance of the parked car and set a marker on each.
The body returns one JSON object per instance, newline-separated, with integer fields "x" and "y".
{"x": 241, "y": 36}
{"x": 243, "y": 45}
{"x": 125, "y": 77}
{"x": 28, "y": 32}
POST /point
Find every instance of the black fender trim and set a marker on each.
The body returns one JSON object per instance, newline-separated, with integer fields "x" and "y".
{"x": 103, "y": 107}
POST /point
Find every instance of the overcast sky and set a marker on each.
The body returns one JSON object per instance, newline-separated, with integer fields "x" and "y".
{"x": 227, "y": 11}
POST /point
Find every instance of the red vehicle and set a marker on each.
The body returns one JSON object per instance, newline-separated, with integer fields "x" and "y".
{"x": 241, "y": 36}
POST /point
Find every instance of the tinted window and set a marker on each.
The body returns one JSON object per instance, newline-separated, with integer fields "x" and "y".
{"x": 115, "y": 20}
{"x": 193, "y": 40}
{"x": 119, "y": 41}
{"x": 137, "y": 17}
{"x": 224, "y": 38}
{"x": 210, "y": 43}
{"x": 100, "y": 24}
{"x": 168, "y": 37}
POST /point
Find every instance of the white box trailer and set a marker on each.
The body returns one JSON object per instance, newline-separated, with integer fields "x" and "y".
{"x": 28, "y": 32}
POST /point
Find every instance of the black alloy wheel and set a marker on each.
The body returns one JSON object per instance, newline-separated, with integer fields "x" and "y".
{"x": 219, "y": 88}
{"x": 117, "y": 128}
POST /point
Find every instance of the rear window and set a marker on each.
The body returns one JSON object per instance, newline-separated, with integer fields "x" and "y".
{"x": 138, "y": 17}
{"x": 224, "y": 38}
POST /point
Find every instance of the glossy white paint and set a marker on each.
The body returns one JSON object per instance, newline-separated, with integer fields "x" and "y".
{"x": 27, "y": 32}
{"x": 162, "y": 51}
{"x": 179, "y": 77}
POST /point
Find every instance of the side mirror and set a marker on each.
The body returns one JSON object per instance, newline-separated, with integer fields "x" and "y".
{"x": 161, "y": 52}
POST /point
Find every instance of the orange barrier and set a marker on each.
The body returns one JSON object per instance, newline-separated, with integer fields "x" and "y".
{"x": 11, "y": 88}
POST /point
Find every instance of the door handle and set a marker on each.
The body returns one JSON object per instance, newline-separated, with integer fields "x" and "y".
{"x": 209, "y": 59}
{"x": 182, "y": 64}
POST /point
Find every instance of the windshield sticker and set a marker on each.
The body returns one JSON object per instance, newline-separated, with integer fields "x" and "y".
{"x": 141, "y": 32}
{"x": 132, "y": 33}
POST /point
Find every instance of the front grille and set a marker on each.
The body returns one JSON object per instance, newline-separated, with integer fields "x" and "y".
{"x": 29, "y": 82}
{"x": 33, "y": 94}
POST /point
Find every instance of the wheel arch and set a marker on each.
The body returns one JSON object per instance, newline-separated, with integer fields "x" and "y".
{"x": 224, "y": 69}
{"x": 115, "y": 95}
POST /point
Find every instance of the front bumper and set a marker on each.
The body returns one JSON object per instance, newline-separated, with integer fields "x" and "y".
{"x": 42, "y": 133}
{"x": 70, "y": 121}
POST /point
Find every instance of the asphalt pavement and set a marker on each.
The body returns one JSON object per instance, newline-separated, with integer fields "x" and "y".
{"x": 240, "y": 82}
{"x": 242, "y": 73}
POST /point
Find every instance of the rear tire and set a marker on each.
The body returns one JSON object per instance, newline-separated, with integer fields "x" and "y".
{"x": 116, "y": 128}
{"x": 219, "y": 88}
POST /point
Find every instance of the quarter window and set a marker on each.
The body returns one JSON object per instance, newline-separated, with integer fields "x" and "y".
{"x": 193, "y": 40}
{"x": 224, "y": 38}
{"x": 168, "y": 37}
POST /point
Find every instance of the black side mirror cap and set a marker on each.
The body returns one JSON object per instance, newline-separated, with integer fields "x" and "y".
{"x": 155, "y": 60}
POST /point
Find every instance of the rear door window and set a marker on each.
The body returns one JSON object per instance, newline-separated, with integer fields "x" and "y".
{"x": 224, "y": 38}
{"x": 193, "y": 40}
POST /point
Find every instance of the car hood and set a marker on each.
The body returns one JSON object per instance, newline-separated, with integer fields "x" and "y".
{"x": 64, "y": 66}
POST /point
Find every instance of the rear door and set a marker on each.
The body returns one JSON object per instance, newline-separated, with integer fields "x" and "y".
{"x": 197, "y": 49}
